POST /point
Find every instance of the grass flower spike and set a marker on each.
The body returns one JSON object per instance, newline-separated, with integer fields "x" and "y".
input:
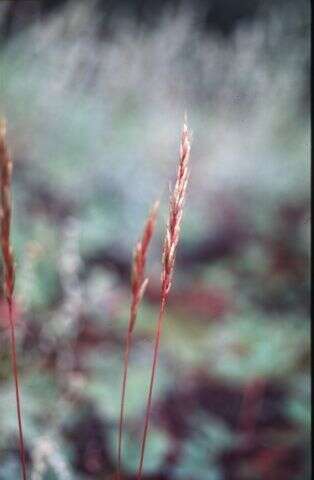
{"x": 175, "y": 212}
{"x": 8, "y": 269}
{"x": 138, "y": 282}
{"x": 177, "y": 199}
{"x": 6, "y": 213}
{"x": 138, "y": 286}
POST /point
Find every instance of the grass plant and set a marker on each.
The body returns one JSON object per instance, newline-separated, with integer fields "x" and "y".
{"x": 138, "y": 286}
{"x": 9, "y": 271}
{"x": 177, "y": 199}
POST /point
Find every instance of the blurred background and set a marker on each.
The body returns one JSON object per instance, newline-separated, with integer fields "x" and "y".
{"x": 94, "y": 93}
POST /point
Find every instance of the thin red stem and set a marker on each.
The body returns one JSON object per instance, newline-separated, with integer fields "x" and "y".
{"x": 124, "y": 382}
{"x": 151, "y": 385}
{"x": 17, "y": 392}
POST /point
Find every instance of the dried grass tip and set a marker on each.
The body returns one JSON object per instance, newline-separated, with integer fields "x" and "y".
{"x": 6, "y": 212}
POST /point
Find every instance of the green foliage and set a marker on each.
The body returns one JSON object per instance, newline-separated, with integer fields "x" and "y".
{"x": 158, "y": 444}
{"x": 298, "y": 406}
{"x": 240, "y": 348}
{"x": 9, "y": 467}
{"x": 94, "y": 136}
{"x": 104, "y": 385}
{"x": 199, "y": 454}
{"x": 40, "y": 405}
{"x": 37, "y": 281}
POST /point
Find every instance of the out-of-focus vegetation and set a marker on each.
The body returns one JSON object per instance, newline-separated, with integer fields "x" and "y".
{"x": 94, "y": 123}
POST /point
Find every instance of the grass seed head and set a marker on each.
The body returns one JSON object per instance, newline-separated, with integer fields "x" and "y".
{"x": 6, "y": 212}
{"x": 138, "y": 281}
{"x": 177, "y": 198}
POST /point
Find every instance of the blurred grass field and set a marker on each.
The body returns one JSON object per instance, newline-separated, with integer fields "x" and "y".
{"x": 94, "y": 128}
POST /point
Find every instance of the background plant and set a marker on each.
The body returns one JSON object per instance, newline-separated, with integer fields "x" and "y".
{"x": 84, "y": 120}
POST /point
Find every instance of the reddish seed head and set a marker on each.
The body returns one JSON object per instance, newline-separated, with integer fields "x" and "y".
{"x": 138, "y": 282}
{"x": 176, "y": 210}
{"x": 171, "y": 241}
{"x": 5, "y": 211}
{"x": 138, "y": 286}
{"x": 8, "y": 265}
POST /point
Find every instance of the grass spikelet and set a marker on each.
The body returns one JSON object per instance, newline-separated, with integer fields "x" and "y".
{"x": 177, "y": 199}
{"x": 138, "y": 286}
{"x": 9, "y": 269}
{"x": 6, "y": 213}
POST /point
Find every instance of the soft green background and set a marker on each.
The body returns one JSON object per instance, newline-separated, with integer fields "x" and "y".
{"x": 94, "y": 128}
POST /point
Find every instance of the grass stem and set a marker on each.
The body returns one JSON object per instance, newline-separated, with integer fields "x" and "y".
{"x": 17, "y": 390}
